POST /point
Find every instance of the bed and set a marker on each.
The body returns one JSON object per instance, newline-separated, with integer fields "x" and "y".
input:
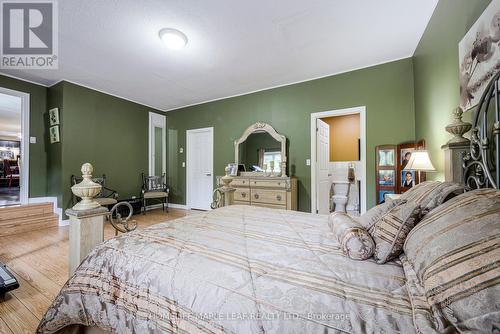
{"x": 220, "y": 271}
{"x": 244, "y": 269}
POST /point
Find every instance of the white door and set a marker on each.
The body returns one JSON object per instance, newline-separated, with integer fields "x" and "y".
{"x": 322, "y": 162}
{"x": 199, "y": 166}
{"x": 157, "y": 144}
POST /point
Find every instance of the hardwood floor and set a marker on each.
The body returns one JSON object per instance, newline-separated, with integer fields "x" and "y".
{"x": 39, "y": 260}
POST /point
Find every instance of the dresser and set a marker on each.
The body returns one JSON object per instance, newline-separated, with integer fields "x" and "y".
{"x": 266, "y": 191}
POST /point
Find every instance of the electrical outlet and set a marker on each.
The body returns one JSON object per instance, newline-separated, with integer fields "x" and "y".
{"x": 308, "y": 162}
{"x": 181, "y": 150}
{"x": 32, "y": 140}
{"x": 183, "y": 164}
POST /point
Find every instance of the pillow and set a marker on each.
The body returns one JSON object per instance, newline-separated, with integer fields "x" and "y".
{"x": 424, "y": 319}
{"x": 431, "y": 194}
{"x": 455, "y": 253}
{"x": 355, "y": 241}
{"x": 370, "y": 217}
{"x": 389, "y": 233}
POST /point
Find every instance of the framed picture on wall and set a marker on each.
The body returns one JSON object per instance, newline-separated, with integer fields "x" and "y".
{"x": 381, "y": 195}
{"x": 386, "y": 177}
{"x": 54, "y": 116}
{"x": 386, "y": 157}
{"x": 54, "y": 134}
{"x": 407, "y": 178}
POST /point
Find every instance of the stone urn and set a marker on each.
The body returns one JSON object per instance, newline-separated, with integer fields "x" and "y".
{"x": 458, "y": 128}
{"x": 86, "y": 190}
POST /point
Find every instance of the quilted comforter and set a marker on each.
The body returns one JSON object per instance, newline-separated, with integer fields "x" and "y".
{"x": 237, "y": 269}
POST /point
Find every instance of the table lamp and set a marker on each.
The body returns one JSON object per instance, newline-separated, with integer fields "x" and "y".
{"x": 420, "y": 162}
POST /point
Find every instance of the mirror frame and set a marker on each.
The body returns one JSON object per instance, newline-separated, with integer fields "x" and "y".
{"x": 260, "y": 127}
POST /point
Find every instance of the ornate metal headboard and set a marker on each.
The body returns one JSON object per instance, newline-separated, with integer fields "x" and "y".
{"x": 481, "y": 165}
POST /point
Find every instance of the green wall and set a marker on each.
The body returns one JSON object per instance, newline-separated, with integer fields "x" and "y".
{"x": 109, "y": 132}
{"x": 436, "y": 73}
{"x": 386, "y": 90}
{"x": 38, "y": 158}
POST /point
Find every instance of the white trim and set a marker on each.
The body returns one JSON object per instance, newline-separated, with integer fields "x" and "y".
{"x": 157, "y": 120}
{"x": 52, "y": 200}
{"x": 188, "y": 132}
{"x": 26, "y": 80}
{"x": 339, "y": 112}
{"x": 64, "y": 222}
{"x": 290, "y": 83}
{"x": 178, "y": 206}
{"x": 218, "y": 98}
{"x": 25, "y": 142}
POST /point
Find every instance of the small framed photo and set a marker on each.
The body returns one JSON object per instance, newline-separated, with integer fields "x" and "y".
{"x": 382, "y": 193}
{"x": 54, "y": 134}
{"x": 405, "y": 156}
{"x": 54, "y": 116}
{"x": 407, "y": 178}
{"x": 386, "y": 157}
{"x": 233, "y": 169}
{"x": 386, "y": 178}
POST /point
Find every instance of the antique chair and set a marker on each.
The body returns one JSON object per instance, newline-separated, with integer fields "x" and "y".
{"x": 154, "y": 188}
{"x": 107, "y": 197}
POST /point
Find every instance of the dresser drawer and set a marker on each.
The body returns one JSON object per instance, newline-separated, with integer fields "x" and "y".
{"x": 239, "y": 183}
{"x": 269, "y": 196}
{"x": 242, "y": 194}
{"x": 281, "y": 184}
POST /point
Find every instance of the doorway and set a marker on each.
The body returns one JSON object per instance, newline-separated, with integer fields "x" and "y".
{"x": 199, "y": 168}
{"x": 157, "y": 147}
{"x": 14, "y": 147}
{"x": 338, "y": 145}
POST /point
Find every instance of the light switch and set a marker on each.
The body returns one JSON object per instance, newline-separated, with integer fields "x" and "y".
{"x": 308, "y": 162}
{"x": 183, "y": 164}
{"x": 181, "y": 150}
{"x": 32, "y": 140}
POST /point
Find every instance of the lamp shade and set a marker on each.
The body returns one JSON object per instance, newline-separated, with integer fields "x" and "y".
{"x": 420, "y": 161}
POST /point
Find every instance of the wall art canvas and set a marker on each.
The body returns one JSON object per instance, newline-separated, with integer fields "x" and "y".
{"x": 54, "y": 116}
{"x": 479, "y": 56}
{"x": 54, "y": 134}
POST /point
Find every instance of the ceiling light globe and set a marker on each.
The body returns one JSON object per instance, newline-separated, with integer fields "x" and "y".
{"x": 173, "y": 38}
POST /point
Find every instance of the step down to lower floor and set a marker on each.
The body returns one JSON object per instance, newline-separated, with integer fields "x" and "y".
{"x": 25, "y": 218}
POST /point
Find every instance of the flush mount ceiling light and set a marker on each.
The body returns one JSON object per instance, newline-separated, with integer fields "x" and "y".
{"x": 173, "y": 38}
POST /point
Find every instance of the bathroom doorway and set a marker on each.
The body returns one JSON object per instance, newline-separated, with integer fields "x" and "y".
{"x": 14, "y": 146}
{"x": 338, "y": 161}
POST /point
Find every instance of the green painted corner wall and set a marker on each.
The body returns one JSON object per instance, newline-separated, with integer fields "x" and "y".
{"x": 436, "y": 73}
{"x": 38, "y": 157}
{"x": 107, "y": 131}
{"x": 386, "y": 90}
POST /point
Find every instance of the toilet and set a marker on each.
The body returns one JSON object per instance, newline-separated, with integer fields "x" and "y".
{"x": 340, "y": 195}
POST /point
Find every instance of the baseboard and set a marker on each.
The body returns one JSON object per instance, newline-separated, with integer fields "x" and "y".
{"x": 178, "y": 206}
{"x": 64, "y": 222}
{"x": 52, "y": 200}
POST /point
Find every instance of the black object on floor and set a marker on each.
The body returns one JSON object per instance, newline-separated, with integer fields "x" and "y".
{"x": 7, "y": 281}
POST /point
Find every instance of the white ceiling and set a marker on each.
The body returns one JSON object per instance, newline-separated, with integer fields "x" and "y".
{"x": 10, "y": 115}
{"x": 235, "y": 46}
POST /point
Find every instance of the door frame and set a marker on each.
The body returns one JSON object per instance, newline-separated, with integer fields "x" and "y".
{"x": 339, "y": 112}
{"x": 188, "y": 133}
{"x": 157, "y": 120}
{"x": 25, "y": 142}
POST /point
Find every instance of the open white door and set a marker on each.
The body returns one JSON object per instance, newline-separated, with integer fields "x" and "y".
{"x": 199, "y": 165}
{"x": 322, "y": 160}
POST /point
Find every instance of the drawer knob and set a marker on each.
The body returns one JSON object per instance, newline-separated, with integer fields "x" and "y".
{"x": 243, "y": 195}
{"x": 256, "y": 196}
{"x": 243, "y": 182}
{"x": 279, "y": 183}
{"x": 278, "y": 197}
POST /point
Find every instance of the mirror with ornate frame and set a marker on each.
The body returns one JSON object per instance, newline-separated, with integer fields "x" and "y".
{"x": 261, "y": 146}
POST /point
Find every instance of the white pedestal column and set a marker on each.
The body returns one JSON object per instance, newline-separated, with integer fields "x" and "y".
{"x": 85, "y": 232}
